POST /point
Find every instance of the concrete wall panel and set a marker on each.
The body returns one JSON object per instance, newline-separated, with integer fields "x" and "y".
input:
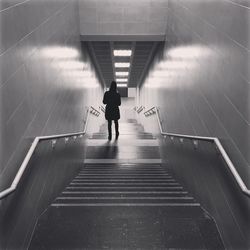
{"x": 111, "y": 17}
{"x": 201, "y": 83}
{"x": 41, "y": 92}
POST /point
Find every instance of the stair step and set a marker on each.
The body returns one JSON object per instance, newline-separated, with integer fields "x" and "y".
{"x": 124, "y": 193}
{"x": 125, "y": 198}
{"x": 124, "y": 169}
{"x": 118, "y": 200}
{"x": 125, "y": 204}
{"x": 116, "y": 174}
{"x": 121, "y": 180}
{"x": 146, "y": 165}
{"x": 118, "y": 184}
{"x": 128, "y": 188}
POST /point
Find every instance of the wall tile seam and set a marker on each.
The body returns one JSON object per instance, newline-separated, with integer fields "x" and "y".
{"x": 227, "y": 99}
{"x": 229, "y": 137}
{"x": 35, "y": 210}
{"x": 188, "y": 120}
{"x": 36, "y": 207}
{"x": 24, "y": 62}
{"x": 24, "y": 98}
{"x": 61, "y": 97}
{"x": 13, "y": 6}
{"x": 217, "y": 211}
{"x": 236, "y": 109}
{"x": 41, "y": 24}
{"x": 232, "y": 213}
{"x": 214, "y": 27}
{"x": 228, "y": 205}
{"x": 5, "y": 167}
{"x": 198, "y": 114}
{"x": 50, "y": 112}
{"x": 243, "y": 77}
{"x": 240, "y": 5}
{"x": 16, "y": 109}
{"x": 239, "y": 74}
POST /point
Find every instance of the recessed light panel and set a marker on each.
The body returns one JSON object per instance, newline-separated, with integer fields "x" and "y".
{"x": 122, "y": 52}
{"x": 122, "y": 85}
{"x": 122, "y": 65}
{"x": 122, "y": 79}
{"x": 122, "y": 73}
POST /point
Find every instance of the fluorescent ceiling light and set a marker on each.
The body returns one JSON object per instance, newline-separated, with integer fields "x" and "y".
{"x": 122, "y": 73}
{"x": 121, "y": 52}
{"x": 121, "y": 79}
{"x": 122, "y": 65}
{"x": 122, "y": 85}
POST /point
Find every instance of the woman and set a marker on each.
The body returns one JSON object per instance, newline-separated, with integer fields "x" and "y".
{"x": 112, "y": 99}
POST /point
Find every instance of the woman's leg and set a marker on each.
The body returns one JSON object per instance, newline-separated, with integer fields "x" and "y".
{"x": 116, "y": 128}
{"x": 110, "y": 129}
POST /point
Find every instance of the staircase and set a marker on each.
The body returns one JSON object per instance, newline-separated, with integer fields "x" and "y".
{"x": 124, "y": 185}
{"x": 123, "y": 198}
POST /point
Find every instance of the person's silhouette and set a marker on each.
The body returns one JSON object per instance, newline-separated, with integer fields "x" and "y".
{"x": 112, "y": 99}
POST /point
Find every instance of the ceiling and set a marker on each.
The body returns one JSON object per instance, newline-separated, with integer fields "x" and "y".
{"x": 143, "y": 52}
{"x": 106, "y": 18}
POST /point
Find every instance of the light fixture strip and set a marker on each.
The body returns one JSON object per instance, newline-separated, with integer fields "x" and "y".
{"x": 121, "y": 73}
{"x": 122, "y": 65}
{"x": 122, "y": 85}
{"x": 121, "y": 79}
{"x": 120, "y": 52}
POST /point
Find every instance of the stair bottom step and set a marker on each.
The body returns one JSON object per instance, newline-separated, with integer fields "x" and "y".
{"x": 143, "y": 226}
{"x": 125, "y": 204}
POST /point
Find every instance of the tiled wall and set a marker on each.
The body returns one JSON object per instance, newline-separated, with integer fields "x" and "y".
{"x": 201, "y": 83}
{"x": 112, "y": 17}
{"x": 43, "y": 89}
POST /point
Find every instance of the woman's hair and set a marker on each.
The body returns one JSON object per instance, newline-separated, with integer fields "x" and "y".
{"x": 113, "y": 86}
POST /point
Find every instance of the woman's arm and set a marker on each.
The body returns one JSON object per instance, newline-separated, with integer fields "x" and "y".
{"x": 105, "y": 98}
{"x": 119, "y": 100}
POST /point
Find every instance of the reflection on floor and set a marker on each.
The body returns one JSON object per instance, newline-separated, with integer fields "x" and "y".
{"x": 133, "y": 145}
{"x": 124, "y": 198}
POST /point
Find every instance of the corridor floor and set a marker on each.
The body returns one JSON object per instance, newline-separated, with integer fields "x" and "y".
{"x": 133, "y": 145}
{"x": 123, "y": 198}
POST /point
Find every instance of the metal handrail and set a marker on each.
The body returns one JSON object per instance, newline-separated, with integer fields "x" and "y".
{"x": 218, "y": 144}
{"x": 139, "y": 110}
{"x": 150, "y": 112}
{"x": 102, "y": 109}
{"x": 32, "y": 148}
{"x": 94, "y": 111}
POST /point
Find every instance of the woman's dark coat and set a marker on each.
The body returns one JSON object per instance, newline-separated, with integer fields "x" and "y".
{"x": 113, "y": 100}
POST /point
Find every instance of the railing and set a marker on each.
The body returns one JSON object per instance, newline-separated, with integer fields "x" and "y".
{"x": 230, "y": 165}
{"x": 139, "y": 110}
{"x": 102, "y": 109}
{"x": 150, "y": 112}
{"x": 94, "y": 111}
{"x": 33, "y": 146}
